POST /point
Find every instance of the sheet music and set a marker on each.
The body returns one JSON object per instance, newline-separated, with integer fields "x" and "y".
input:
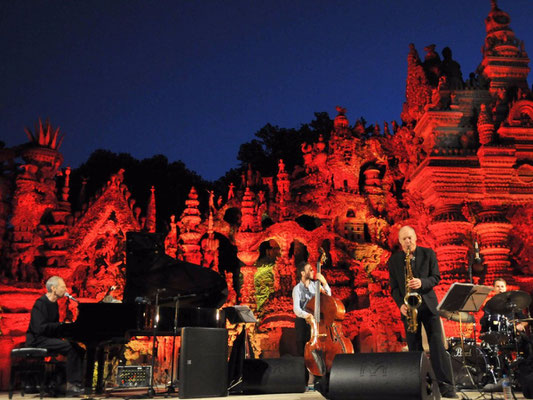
{"x": 464, "y": 297}
{"x": 239, "y": 313}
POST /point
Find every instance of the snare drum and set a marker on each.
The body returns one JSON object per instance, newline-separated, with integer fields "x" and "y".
{"x": 454, "y": 343}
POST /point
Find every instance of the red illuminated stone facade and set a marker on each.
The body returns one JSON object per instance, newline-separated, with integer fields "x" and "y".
{"x": 459, "y": 169}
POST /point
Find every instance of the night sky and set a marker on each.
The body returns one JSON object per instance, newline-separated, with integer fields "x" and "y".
{"x": 195, "y": 79}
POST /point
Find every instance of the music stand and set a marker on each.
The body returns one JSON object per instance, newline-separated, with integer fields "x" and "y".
{"x": 240, "y": 350}
{"x": 464, "y": 297}
{"x": 238, "y": 314}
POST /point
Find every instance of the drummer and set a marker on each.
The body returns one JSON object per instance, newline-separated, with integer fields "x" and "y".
{"x": 500, "y": 286}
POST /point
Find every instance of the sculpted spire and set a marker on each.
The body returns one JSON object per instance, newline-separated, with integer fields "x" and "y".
{"x": 149, "y": 224}
{"x": 341, "y": 122}
{"x": 66, "y": 186}
{"x": 417, "y": 88}
{"x": 45, "y": 136}
{"x": 505, "y": 61}
{"x": 190, "y": 233}
{"x": 485, "y": 126}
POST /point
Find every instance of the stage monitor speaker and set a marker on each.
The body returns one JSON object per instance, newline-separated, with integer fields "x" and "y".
{"x": 382, "y": 376}
{"x": 274, "y": 375}
{"x": 203, "y": 365}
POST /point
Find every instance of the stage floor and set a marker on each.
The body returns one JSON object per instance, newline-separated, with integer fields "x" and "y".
{"x": 286, "y": 396}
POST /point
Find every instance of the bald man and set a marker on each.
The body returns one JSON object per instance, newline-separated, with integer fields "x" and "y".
{"x": 426, "y": 277}
{"x": 43, "y": 332}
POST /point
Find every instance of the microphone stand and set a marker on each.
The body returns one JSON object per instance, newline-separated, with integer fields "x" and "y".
{"x": 68, "y": 313}
{"x": 151, "y": 391}
{"x": 470, "y": 279}
{"x": 171, "y": 388}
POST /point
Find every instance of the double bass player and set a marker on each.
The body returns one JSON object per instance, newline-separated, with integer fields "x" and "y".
{"x": 302, "y": 293}
{"x": 319, "y": 334}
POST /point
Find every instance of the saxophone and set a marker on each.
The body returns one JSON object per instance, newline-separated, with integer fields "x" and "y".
{"x": 412, "y": 299}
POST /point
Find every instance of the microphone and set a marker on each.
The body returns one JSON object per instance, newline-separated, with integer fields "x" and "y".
{"x": 477, "y": 263}
{"x": 69, "y": 296}
{"x": 110, "y": 290}
{"x": 141, "y": 300}
{"x": 477, "y": 257}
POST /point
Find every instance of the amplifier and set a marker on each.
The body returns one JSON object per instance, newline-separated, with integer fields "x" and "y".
{"x": 133, "y": 376}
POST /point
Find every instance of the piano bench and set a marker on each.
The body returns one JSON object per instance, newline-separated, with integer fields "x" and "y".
{"x": 30, "y": 367}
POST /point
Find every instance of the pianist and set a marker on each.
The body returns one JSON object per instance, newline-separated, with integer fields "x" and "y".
{"x": 43, "y": 332}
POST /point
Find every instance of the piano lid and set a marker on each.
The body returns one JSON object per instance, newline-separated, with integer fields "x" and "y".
{"x": 195, "y": 285}
{"x": 149, "y": 271}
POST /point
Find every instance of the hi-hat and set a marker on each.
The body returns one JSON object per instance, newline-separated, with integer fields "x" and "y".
{"x": 457, "y": 316}
{"x": 509, "y": 301}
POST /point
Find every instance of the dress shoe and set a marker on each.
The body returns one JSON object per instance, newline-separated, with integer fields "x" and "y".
{"x": 74, "y": 390}
{"x": 447, "y": 391}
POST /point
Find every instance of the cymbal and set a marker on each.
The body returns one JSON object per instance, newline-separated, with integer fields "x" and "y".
{"x": 457, "y": 316}
{"x": 509, "y": 301}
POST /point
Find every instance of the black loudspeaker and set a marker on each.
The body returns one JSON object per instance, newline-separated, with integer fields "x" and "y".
{"x": 274, "y": 375}
{"x": 386, "y": 376}
{"x": 203, "y": 365}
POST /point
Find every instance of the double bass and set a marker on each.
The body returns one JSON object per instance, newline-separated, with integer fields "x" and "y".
{"x": 327, "y": 339}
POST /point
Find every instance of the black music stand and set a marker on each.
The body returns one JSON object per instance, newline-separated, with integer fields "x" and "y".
{"x": 240, "y": 349}
{"x": 464, "y": 297}
{"x": 239, "y": 314}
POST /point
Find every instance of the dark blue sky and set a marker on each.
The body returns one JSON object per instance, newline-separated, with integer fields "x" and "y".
{"x": 195, "y": 79}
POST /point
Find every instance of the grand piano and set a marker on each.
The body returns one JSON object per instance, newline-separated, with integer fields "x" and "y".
{"x": 155, "y": 284}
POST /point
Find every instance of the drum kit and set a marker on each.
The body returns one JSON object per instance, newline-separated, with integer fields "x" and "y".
{"x": 502, "y": 347}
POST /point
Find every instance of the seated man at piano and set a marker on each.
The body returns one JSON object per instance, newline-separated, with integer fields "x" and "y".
{"x": 43, "y": 332}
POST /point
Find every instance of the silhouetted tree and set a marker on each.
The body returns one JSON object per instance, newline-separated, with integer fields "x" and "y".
{"x": 172, "y": 181}
{"x": 276, "y": 143}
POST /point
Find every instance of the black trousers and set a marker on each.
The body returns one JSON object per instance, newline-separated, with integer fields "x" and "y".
{"x": 72, "y": 351}
{"x": 303, "y": 334}
{"x": 440, "y": 358}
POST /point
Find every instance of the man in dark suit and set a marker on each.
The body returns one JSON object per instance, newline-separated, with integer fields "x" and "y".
{"x": 426, "y": 276}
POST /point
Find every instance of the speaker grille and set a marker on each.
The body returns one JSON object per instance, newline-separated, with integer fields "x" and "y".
{"x": 203, "y": 367}
{"x": 386, "y": 376}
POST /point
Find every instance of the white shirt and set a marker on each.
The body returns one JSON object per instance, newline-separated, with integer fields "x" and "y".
{"x": 301, "y": 296}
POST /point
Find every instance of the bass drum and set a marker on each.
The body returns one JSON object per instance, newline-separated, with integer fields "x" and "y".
{"x": 472, "y": 366}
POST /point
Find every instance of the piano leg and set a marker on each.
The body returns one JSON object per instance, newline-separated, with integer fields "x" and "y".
{"x": 100, "y": 357}
{"x": 90, "y": 358}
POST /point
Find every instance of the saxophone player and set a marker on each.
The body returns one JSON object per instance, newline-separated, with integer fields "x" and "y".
{"x": 425, "y": 275}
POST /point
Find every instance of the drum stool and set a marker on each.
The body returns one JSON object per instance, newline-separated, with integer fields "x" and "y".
{"x": 30, "y": 365}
